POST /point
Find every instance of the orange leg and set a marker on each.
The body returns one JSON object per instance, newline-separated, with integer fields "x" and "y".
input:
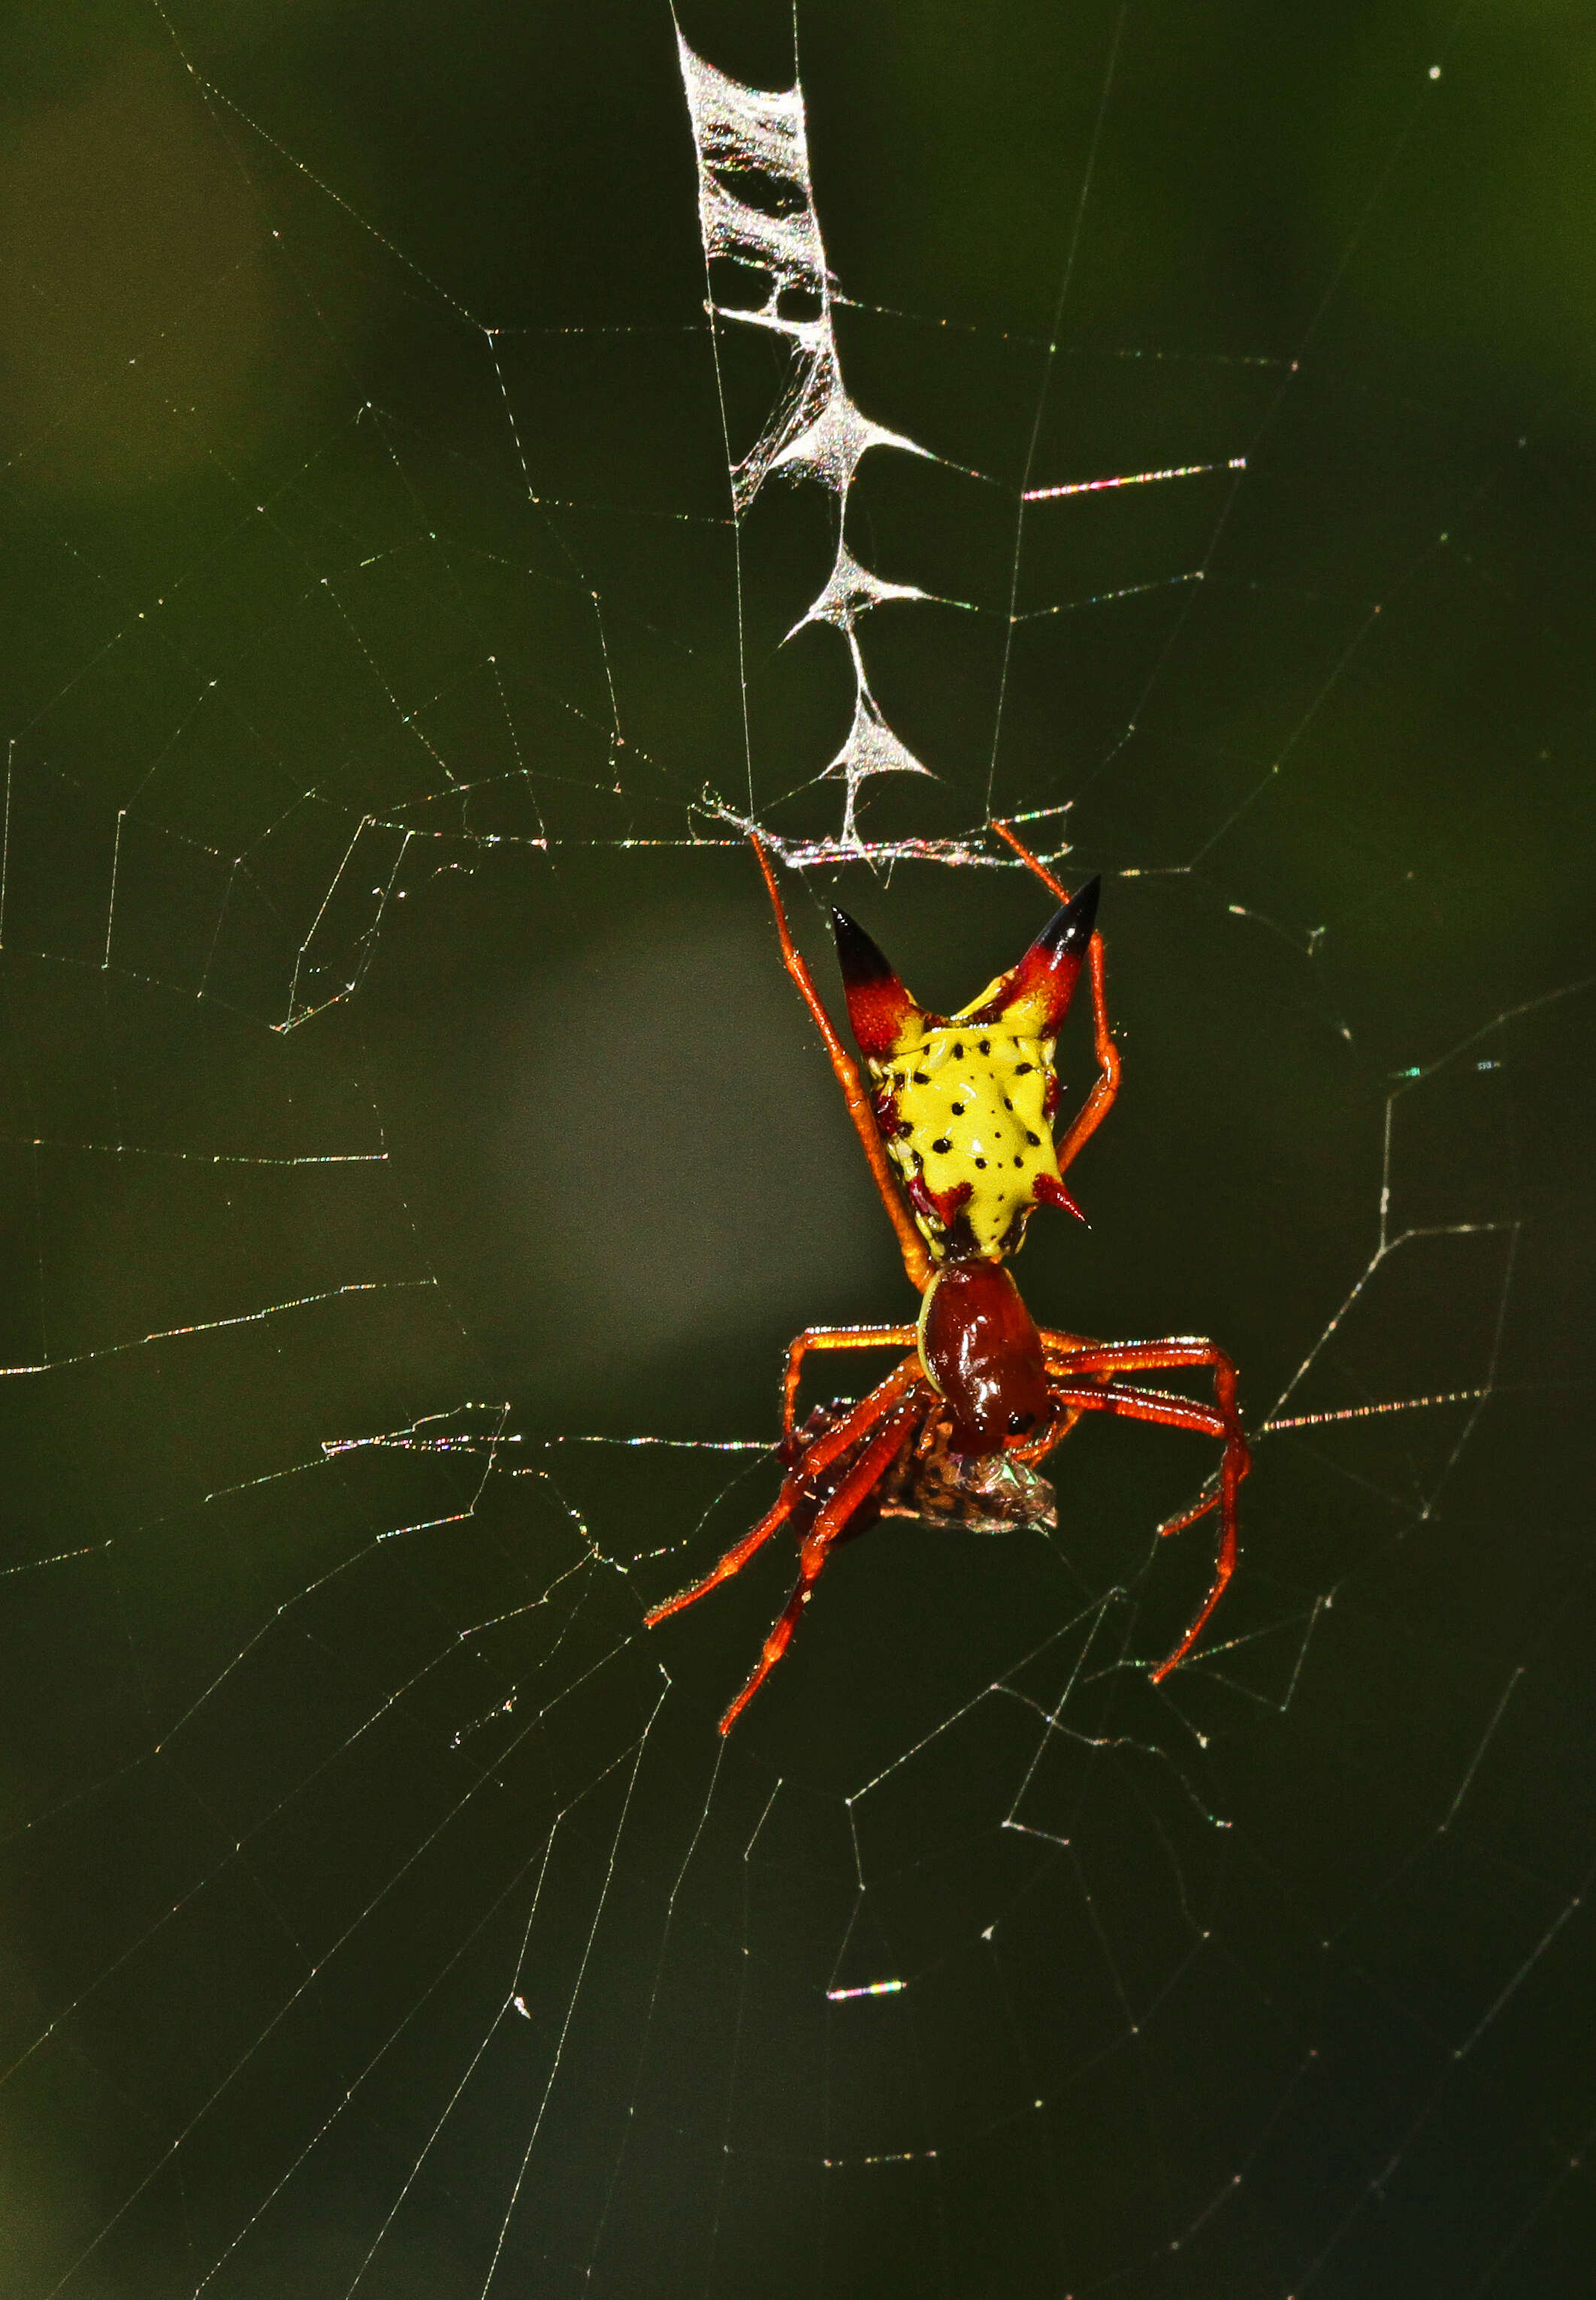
{"x": 1101, "y": 1100}
{"x": 916, "y": 1262}
{"x": 834, "y": 1337}
{"x": 820, "y": 1456}
{"x": 866, "y": 1472}
{"x": 1075, "y": 1370}
{"x": 1058, "y": 1347}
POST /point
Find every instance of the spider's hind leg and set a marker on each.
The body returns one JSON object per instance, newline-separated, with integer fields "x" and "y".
{"x": 916, "y": 1262}
{"x": 1101, "y": 1100}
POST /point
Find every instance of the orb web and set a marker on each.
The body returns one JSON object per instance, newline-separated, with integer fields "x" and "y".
{"x": 417, "y": 1161}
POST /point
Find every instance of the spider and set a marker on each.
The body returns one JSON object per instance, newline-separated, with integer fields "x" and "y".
{"x": 962, "y": 1107}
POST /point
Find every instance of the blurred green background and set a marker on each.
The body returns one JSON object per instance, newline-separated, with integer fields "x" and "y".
{"x": 401, "y": 1089}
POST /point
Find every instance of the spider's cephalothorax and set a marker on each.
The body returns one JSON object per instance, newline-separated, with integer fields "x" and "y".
{"x": 966, "y": 1102}
{"x": 961, "y": 1116}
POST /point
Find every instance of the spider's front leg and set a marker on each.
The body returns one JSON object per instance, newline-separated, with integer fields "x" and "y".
{"x": 830, "y": 1523}
{"x": 885, "y": 1406}
{"x": 1081, "y": 1378}
{"x": 834, "y": 1337}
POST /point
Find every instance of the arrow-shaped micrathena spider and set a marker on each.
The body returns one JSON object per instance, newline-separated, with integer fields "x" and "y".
{"x": 963, "y": 1106}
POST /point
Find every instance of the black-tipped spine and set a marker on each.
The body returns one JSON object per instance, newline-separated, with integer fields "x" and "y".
{"x": 1068, "y": 931}
{"x": 879, "y": 1006}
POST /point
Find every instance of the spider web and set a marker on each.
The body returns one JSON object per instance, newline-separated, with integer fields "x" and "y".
{"x": 417, "y": 1160}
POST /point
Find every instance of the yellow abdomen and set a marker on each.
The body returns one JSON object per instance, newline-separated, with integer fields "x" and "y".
{"x": 965, "y": 1114}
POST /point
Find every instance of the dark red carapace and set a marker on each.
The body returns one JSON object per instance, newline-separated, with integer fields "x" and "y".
{"x": 982, "y": 1349}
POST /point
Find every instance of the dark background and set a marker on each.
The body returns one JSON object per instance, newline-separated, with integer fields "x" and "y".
{"x": 395, "y": 1051}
